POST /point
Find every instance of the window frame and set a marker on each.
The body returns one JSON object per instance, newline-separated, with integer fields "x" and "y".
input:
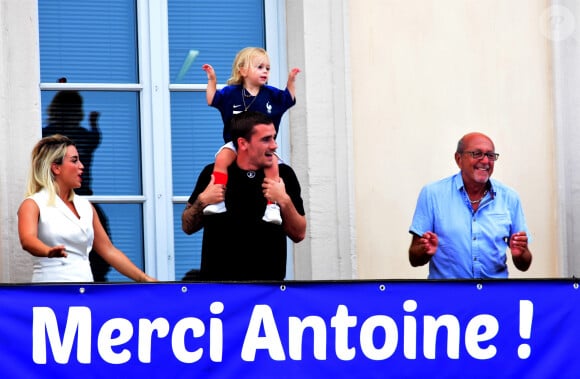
{"x": 154, "y": 90}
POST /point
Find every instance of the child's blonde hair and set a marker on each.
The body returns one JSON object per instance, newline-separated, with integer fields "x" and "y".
{"x": 244, "y": 59}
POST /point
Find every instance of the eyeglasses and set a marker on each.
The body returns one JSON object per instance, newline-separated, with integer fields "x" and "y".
{"x": 480, "y": 154}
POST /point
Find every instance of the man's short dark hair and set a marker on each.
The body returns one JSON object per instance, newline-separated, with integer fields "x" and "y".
{"x": 242, "y": 125}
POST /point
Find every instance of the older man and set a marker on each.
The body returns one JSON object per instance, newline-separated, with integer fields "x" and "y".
{"x": 463, "y": 224}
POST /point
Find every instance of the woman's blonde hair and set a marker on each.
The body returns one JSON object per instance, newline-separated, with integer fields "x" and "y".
{"x": 244, "y": 59}
{"x": 47, "y": 151}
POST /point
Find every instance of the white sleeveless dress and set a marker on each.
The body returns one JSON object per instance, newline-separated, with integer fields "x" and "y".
{"x": 58, "y": 225}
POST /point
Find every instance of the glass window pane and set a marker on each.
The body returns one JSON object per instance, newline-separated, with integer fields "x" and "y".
{"x": 187, "y": 248}
{"x": 202, "y": 32}
{"x": 195, "y": 137}
{"x": 126, "y": 233}
{"x": 88, "y": 41}
{"x": 115, "y": 165}
{"x": 211, "y": 32}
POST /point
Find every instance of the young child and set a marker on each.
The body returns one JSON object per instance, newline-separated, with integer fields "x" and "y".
{"x": 247, "y": 90}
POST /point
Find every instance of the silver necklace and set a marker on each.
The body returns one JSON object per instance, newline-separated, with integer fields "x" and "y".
{"x": 246, "y": 93}
{"x": 477, "y": 201}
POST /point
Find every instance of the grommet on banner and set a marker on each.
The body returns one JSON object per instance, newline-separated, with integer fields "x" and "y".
{"x": 479, "y": 286}
{"x": 575, "y": 285}
{"x": 184, "y": 289}
{"x": 82, "y": 290}
{"x": 282, "y": 287}
{"x": 382, "y": 287}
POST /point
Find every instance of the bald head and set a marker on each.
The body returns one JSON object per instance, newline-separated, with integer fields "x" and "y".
{"x": 470, "y": 139}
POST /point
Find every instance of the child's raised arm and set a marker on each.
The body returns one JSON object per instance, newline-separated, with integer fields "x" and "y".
{"x": 211, "y": 83}
{"x": 291, "y": 79}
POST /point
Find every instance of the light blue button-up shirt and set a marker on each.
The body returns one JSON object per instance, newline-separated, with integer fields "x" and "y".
{"x": 471, "y": 244}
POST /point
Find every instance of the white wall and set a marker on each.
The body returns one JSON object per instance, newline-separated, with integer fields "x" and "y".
{"x": 424, "y": 74}
{"x": 321, "y": 137}
{"x": 19, "y": 120}
{"x": 563, "y": 29}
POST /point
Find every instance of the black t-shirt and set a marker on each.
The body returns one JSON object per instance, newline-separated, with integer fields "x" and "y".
{"x": 238, "y": 244}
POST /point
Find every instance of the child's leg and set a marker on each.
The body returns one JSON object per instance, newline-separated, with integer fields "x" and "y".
{"x": 272, "y": 213}
{"x": 272, "y": 172}
{"x": 223, "y": 159}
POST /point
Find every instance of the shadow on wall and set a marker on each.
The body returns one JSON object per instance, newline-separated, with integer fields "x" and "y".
{"x": 65, "y": 114}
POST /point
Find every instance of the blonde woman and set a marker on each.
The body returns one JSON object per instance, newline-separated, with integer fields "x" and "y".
{"x": 247, "y": 90}
{"x": 60, "y": 228}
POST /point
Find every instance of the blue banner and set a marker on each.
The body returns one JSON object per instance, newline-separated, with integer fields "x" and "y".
{"x": 362, "y": 329}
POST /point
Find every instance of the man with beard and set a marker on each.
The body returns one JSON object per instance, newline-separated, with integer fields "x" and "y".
{"x": 239, "y": 244}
